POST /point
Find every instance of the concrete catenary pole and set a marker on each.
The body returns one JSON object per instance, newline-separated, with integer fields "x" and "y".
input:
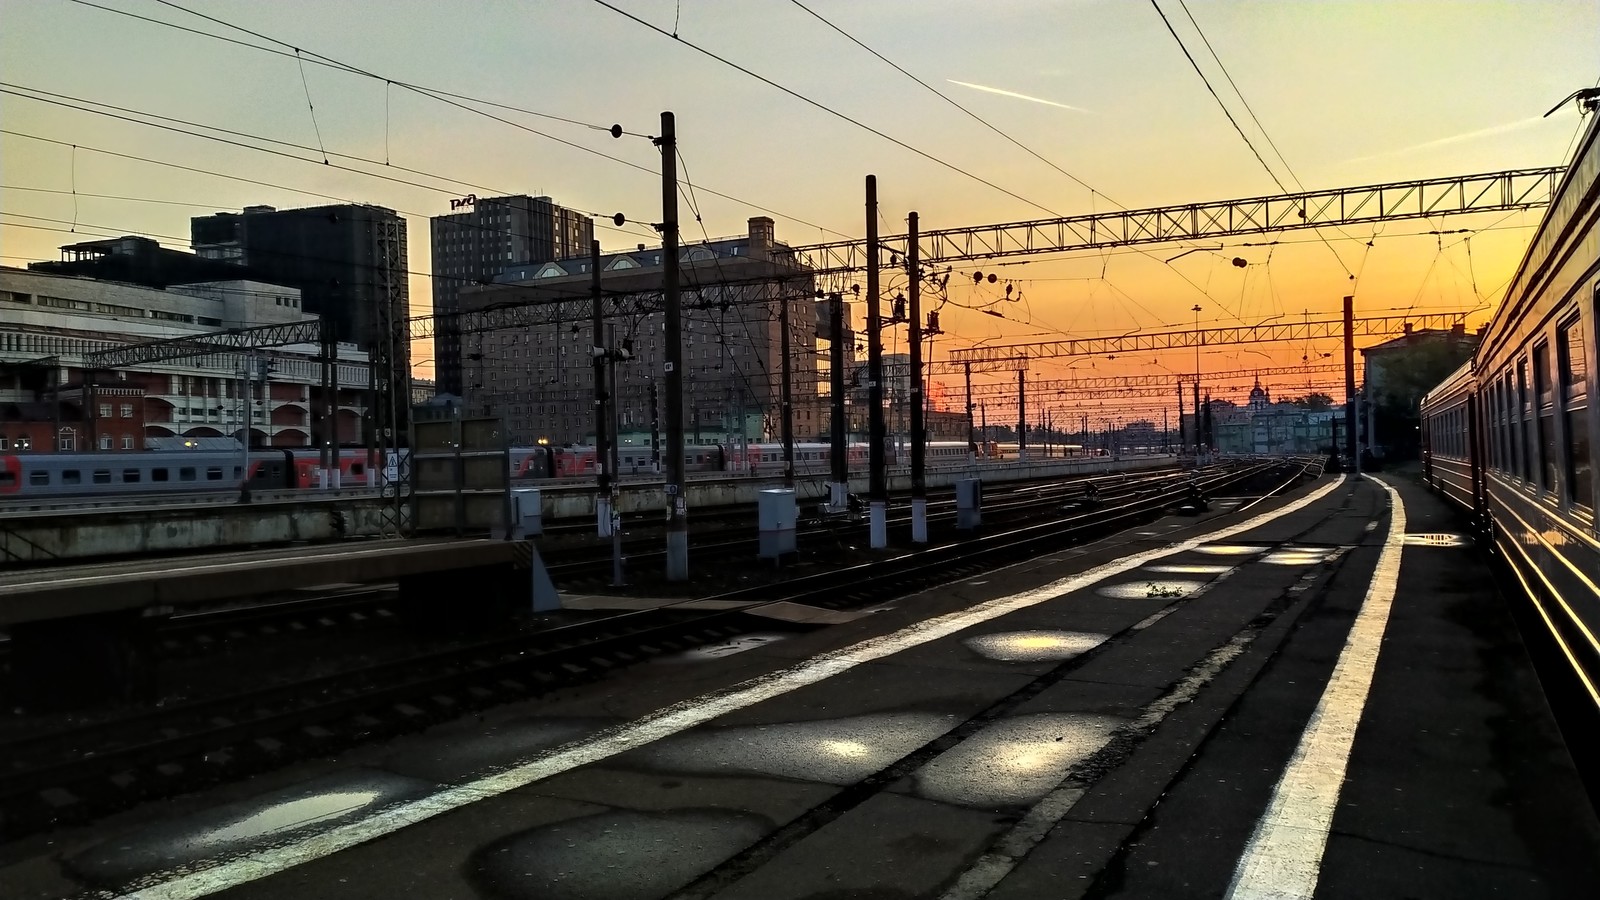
{"x": 677, "y": 503}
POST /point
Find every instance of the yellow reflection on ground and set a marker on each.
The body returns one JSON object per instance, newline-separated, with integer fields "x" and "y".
{"x": 1181, "y": 569}
{"x": 1032, "y": 646}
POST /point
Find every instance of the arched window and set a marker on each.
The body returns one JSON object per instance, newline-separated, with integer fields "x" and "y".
{"x": 67, "y": 440}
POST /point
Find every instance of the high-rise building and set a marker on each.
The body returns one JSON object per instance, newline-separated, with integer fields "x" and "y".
{"x": 475, "y": 246}
{"x": 349, "y": 262}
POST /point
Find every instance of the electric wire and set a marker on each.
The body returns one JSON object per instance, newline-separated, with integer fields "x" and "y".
{"x": 439, "y": 95}
{"x": 824, "y": 107}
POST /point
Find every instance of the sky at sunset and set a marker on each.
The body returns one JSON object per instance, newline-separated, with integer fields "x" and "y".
{"x": 1350, "y": 93}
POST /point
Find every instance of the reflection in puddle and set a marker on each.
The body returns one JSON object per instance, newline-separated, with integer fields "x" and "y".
{"x": 1154, "y": 589}
{"x": 1229, "y": 549}
{"x": 1293, "y": 559}
{"x": 1435, "y": 540}
{"x": 292, "y": 814}
{"x": 831, "y": 751}
{"x": 727, "y": 648}
{"x": 1034, "y": 646}
{"x": 1013, "y": 761}
{"x": 248, "y": 825}
{"x": 617, "y": 855}
{"x": 1181, "y": 569}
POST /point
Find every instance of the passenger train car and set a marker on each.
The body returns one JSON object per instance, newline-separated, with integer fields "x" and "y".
{"x": 31, "y": 475}
{"x": 93, "y": 474}
{"x": 1513, "y": 436}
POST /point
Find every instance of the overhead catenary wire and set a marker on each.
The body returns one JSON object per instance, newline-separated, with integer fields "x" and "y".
{"x": 824, "y": 107}
{"x": 950, "y": 100}
{"x": 10, "y": 89}
{"x": 1093, "y": 191}
{"x": 439, "y": 95}
{"x": 1225, "y": 111}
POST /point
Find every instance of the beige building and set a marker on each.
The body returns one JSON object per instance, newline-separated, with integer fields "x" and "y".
{"x": 539, "y": 377}
{"x": 49, "y": 323}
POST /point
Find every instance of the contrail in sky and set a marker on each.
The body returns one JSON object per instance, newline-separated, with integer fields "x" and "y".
{"x": 994, "y": 90}
{"x": 1453, "y": 139}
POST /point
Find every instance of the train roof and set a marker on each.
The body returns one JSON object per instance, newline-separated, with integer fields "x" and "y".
{"x": 1573, "y": 197}
{"x": 1458, "y": 382}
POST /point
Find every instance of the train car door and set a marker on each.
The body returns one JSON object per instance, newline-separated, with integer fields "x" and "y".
{"x": 10, "y": 475}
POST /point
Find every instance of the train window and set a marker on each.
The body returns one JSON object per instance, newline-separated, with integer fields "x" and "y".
{"x": 39, "y": 479}
{"x": 102, "y": 476}
{"x": 1545, "y": 425}
{"x": 130, "y": 476}
{"x": 1502, "y": 448}
{"x": 71, "y": 476}
{"x": 186, "y": 473}
{"x": 158, "y": 474}
{"x": 214, "y": 473}
{"x": 1574, "y": 369}
{"x": 1508, "y": 445}
{"x": 8, "y": 478}
{"x": 1524, "y": 437}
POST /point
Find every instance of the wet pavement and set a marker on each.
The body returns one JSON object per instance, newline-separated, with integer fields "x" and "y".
{"x": 1110, "y": 721}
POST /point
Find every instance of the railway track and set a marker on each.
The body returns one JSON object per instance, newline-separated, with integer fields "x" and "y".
{"x": 68, "y": 775}
{"x": 200, "y": 633}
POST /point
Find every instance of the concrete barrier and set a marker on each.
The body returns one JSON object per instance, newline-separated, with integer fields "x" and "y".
{"x": 65, "y": 535}
{"x": 578, "y": 501}
{"x": 51, "y": 537}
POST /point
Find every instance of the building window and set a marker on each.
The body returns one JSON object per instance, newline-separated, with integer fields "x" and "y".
{"x": 127, "y": 410}
{"x": 67, "y": 440}
{"x": 23, "y": 442}
{"x": 105, "y": 442}
{"x": 105, "y": 410}
{"x": 1573, "y": 365}
{"x": 5, "y": 442}
{"x": 127, "y": 442}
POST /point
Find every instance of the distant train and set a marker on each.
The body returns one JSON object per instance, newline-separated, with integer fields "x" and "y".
{"x": 26, "y": 476}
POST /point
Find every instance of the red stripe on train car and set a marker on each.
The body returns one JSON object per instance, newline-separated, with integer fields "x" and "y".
{"x": 13, "y": 466}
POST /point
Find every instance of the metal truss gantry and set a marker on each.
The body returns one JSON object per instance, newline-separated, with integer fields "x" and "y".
{"x": 1204, "y": 337}
{"x": 1164, "y": 384}
{"x": 1488, "y": 192}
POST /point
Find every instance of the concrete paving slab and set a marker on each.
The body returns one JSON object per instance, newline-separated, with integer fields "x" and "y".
{"x": 891, "y": 846}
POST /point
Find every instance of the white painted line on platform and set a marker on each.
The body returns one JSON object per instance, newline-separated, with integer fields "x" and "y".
{"x": 1283, "y": 859}
{"x": 660, "y": 724}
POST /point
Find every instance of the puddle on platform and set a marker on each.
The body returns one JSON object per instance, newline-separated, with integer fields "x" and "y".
{"x": 726, "y": 648}
{"x": 1435, "y": 540}
{"x": 1034, "y": 646}
{"x": 248, "y": 825}
{"x": 1229, "y": 549}
{"x": 830, "y": 751}
{"x": 1182, "y": 569}
{"x": 1150, "y": 589}
{"x": 617, "y": 855}
{"x": 1296, "y": 556}
{"x": 1014, "y": 761}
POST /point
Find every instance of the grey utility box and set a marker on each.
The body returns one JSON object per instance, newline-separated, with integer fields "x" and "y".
{"x": 776, "y": 511}
{"x": 527, "y": 514}
{"x": 969, "y": 503}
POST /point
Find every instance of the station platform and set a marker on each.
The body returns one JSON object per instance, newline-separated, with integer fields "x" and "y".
{"x": 1317, "y": 695}
{"x": 31, "y": 595}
